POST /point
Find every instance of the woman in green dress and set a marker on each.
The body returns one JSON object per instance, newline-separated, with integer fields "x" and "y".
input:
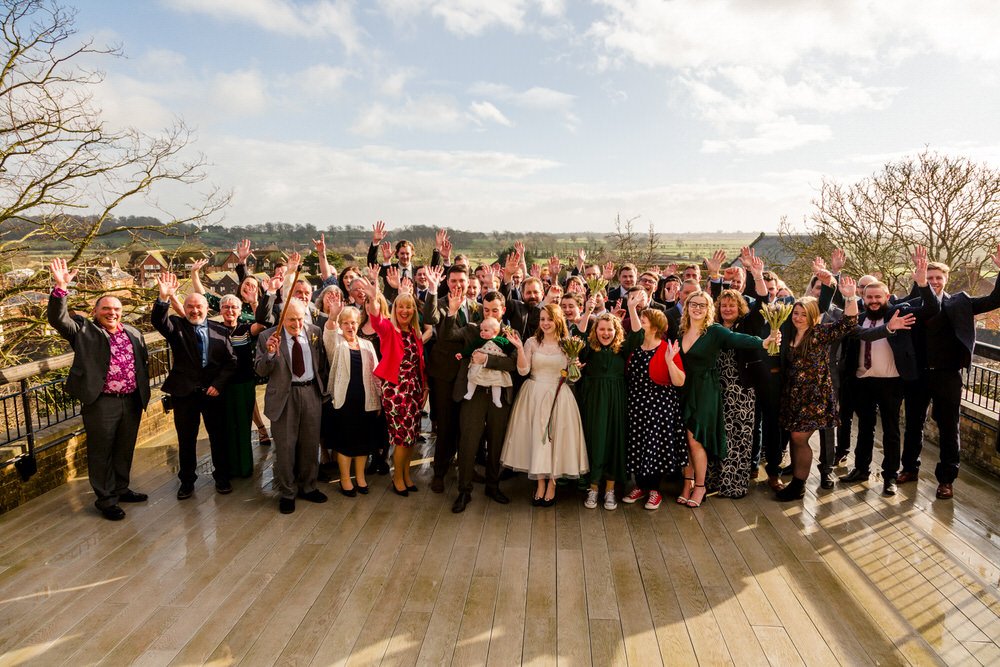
{"x": 602, "y": 401}
{"x": 701, "y": 341}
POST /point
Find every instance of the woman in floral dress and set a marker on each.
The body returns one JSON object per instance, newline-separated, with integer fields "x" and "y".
{"x": 401, "y": 369}
{"x": 808, "y": 402}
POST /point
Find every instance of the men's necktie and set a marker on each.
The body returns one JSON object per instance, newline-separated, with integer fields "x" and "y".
{"x": 462, "y": 319}
{"x": 200, "y": 334}
{"x": 868, "y": 344}
{"x": 298, "y": 361}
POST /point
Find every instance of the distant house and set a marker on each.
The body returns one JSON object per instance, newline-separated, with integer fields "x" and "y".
{"x": 182, "y": 260}
{"x": 145, "y": 265}
{"x": 226, "y": 260}
{"x": 17, "y": 276}
{"x": 104, "y": 278}
{"x": 269, "y": 257}
{"x": 774, "y": 249}
{"x": 222, "y": 282}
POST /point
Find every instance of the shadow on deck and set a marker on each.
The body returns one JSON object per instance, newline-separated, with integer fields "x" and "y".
{"x": 846, "y": 577}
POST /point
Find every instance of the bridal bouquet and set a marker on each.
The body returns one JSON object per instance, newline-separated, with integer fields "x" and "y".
{"x": 775, "y": 315}
{"x": 595, "y": 285}
{"x": 571, "y": 347}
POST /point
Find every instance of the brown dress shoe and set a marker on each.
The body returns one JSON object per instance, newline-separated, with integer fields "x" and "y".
{"x": 437, "y": 484}
{"x": 906, "y": 476}
{"x": 945, "y": 492}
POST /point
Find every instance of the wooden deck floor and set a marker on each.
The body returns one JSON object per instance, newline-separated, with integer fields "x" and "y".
{"x": 847, "y": 577}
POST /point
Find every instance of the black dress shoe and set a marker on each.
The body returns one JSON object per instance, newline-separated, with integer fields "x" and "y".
{"x": 112, "y": 513}
{"x": 131, "y": 496}
{"x": 314, "y": 496}
{"x": 185, "y": 490}
{"x": 460, "y": 502}
{"x": 286, "y": 505}
{"x": 497, "y": 495}
{"x": 840, "y": 458}
{"x": 826, "y": 481}
{"x": 363, "y": 490}
{"x": 856, "y": 476}
{"x": 350, "y": 493}
{"x": 437, "y": 484}
{"x": 889, "y": 488}
{"x": 223, "y": 488}
{"x": 403, "y": 493}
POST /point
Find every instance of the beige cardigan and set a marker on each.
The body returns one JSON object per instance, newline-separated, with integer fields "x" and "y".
{"x": 338, "y": 352}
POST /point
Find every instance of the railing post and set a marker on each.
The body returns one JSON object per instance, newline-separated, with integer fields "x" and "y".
{"x": 29, "y": 427}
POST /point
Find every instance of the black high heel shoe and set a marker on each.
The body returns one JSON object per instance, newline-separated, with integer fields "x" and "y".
{"x": 363, "y": 490}
{"x": 403, "y": 493}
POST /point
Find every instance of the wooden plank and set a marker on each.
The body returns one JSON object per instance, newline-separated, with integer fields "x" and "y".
{"x": 572, "y": 625}
{"x": 601, "y": 599}
{"x": 540, "y": 638}
{"x": 407, "y": 638}
{"x": 442, "y": 630}
{"x": 780, "y": 647}
{"x": 607, "y": 643}
{"x": 509, "y": 618}
{"x": 473, "y": 644}
{"x": 641, "y": 646}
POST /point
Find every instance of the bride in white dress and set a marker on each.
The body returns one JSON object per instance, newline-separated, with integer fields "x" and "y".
{"x": 528, "y": 446}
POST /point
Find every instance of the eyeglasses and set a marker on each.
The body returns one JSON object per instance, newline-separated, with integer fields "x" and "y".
{"x": 695, "y": 305}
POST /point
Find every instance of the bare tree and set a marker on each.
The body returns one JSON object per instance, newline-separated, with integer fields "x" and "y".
{"x": 625, "y": 240}
{"x": 948, "y": 204}
{"x": 63, "y": 170}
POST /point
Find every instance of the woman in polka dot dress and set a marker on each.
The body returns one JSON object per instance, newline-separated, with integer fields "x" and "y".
{"x": 655, "y": 444}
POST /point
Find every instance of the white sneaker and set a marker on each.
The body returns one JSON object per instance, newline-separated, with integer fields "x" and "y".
{"x": 609, "y": 501}
{"x": 591, "y": 501}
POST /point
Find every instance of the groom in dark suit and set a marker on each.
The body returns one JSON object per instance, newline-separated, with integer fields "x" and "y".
{"x": 944, "y": 346}
{"x": 110, "y": 379}
{"x": 203, "y": 362}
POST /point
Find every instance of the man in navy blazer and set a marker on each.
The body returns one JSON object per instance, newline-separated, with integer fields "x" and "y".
{"x": 944, "y": 347}
{"x": 876, "y": 368}
{"x": 110, "y": 379}
{"x": 203, "y": 362}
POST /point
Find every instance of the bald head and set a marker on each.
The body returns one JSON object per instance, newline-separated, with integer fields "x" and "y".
{"x": 295, "y": 317}
{"x": 108, "y": 312}
{"x": 195, "y": 308}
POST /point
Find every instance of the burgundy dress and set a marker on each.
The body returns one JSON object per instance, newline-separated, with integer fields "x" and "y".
{"x": 401, "y": 402}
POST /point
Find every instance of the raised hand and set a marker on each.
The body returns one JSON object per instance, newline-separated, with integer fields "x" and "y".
{"x": 439, "y": 239}
{"x": 392, "y": 277}
{"x": 838, "y": 258}
{"x": 554, "y": 267}
{"x": 728, "y": 274}
{"x": 333, "y": 303}
{"x": 581, "y": 258}
{"x": 609, "y": 271}
{"x": 294, "y": 262}
{"x": 920, "y": 266}
{"x": 515, "y": 339}
{"x": 536, "y": 271}
{"x": 198, "y": 265}
{"x": 373, "y": 270}
{"x": 386, "y": 249}
{"x": 370, "y": 287}
{"x": 243, "y": 250}
{"x": 378, "y": 232}
{"x": 673, "y": 347}
{"x": 320, "y": 244}
{"x": 519, "y": 248}
{"x": 669, "y": 270}
{"x": 435, "y": 274}
{"x": 825, "y": 277}
{"x": 553, "y": 295}
{"x": 715, "y": 263}
{"x": 446, "y": 251}
{"x": 848, "y": 287}
{"x": 633, "y": 299}
{"x": 511, "y": 265}
{"x": 273, "y": 284}
{"x": 61, "y": 275}
{"x": 754, "y": 264}
{"x": 818, "y": 265}
{"x": 900, "y": 322}
{"x": 672, "y": 290}
{"x": 167, "y": 282}
{"x": 406, "y": 287}
{"x": 456, "y": 297}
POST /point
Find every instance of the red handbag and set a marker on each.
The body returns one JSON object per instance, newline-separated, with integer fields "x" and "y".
{"x": 658, "y": 371}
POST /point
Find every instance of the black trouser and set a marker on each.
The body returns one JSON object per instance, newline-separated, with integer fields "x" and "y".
{"x": 847, "y": 409}
{"x": 773, "y": 437}
{"x": 944, "y": 389}
{"x": 188, "y": 412}
{"x": 480, "y": 416}
{"x": 111, "y": 423}
{"x": 828, "y": 444}
{"x": 446, "y": 411}
{"x": 875, "y": 397}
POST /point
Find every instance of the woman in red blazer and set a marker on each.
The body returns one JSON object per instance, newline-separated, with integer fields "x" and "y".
{"x": 404, "y": 389}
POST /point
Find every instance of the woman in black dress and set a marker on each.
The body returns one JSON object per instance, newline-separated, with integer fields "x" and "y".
{"x": 354, "y": 390}
{"x": 239, "y": 395}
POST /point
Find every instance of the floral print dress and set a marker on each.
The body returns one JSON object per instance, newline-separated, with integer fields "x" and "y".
{"x": 401, "y": 402}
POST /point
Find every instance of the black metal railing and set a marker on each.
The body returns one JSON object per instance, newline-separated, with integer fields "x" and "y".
{"x": 33, "y": 398}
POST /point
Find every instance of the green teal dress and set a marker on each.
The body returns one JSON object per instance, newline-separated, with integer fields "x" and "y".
{"x": 702, "y": 392}
{"x": 603, "y": 408}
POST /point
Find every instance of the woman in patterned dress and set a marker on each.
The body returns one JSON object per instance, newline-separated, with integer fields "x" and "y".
{"x": 701, "y": 342}
{"x": 808, "y": 402}
{"x": 401, "y": 369}
{"x": 654, "y": 444}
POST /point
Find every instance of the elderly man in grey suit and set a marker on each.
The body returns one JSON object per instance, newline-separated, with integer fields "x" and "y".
{"x": 294, "y": 363}
{"x": 110, "y": 379}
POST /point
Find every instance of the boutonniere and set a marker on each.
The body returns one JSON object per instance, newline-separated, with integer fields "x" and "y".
{"x": 474, "y": 307}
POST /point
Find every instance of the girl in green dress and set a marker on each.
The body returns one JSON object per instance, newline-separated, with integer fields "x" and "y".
{"x": 602, "y": 401}
{"x": 701, "y": 342}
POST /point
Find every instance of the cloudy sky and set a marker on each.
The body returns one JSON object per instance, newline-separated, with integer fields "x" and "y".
{"x": 550, "y": 114}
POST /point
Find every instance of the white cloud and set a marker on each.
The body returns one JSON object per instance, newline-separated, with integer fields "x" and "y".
{"x": 486, "y": 111}
{"x": 241, "y": 92}
{"x": 469, "y": 18}
{"x": 536, "y": 97}
{"x": 770, "y": 137}
{"x": 321, "y": 79}
{"x": 320, "y": 18}
{"x": 394, "y": 84}
{"x": 429, "y": 113}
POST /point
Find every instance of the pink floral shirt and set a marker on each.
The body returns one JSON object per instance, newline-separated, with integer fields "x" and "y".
{"x": 121, "y": 370}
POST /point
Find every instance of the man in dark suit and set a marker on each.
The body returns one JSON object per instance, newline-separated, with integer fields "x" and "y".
{"x": 203, "y": 362}
{"x": 876, "y": 370}
{"x": 110, "y": 379}
{"x": 479, "y": 414}
{"x": 944, "y": 347}
{"x": 442, "y": 369}
{"x": 403, "y": 252}
{"x": 294, "y": 362}
{"x": 627, "y": 277}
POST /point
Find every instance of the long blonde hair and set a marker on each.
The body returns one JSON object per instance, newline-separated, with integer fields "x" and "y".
{"x": 414, "y": 320}
{"x": 810, "y": 305}
{"x": 709, "y": 313}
